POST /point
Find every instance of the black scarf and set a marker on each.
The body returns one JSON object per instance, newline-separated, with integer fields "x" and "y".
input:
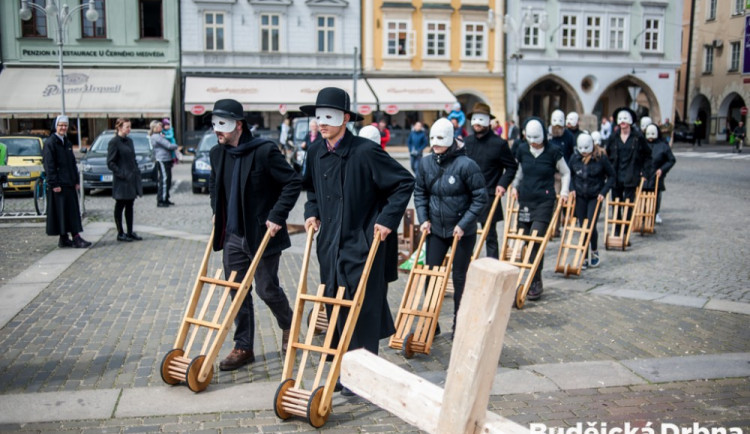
{"x": 234, "y": 205}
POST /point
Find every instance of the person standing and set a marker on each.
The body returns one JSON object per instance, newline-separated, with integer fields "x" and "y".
{"x": 417, "y": 142}
{"x": 514, "y": 133}
{"x": 665, "y": 131}
{"x": 163, "y": 150}
{"x": 168, "y": 134}
{"x": 629, "y": 154}
{"x": 357, "y": 189}
{"x": 126, "y": 180}
{"x": 449, "y": 197}
{"x": 606, "y": 128}
{"x": 497, "y": 164}
{"x": 457, "y": 114}
{"x": 662, "y": 161}
{"x": 560, "y": 136}
{"x": 252, "y": 189}
{"x": 63, "y": 183}
{"x": 698, "y": 130}
{"x": 385, "y": 133}
{"x": 739, "y": 136}
{"x": 571, "y": 124}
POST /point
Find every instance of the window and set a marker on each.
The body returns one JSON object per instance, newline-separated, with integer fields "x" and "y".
{"x": 739, "y": 7}
{"x": 569, "y": 31}
{"x": 651, "y": 35}
{"x": 151, "y": 19}
{"x": 594, "y": 32}
{"x": 326, "y": 32}
{"x": 708, "y": 59}
{"x": 36, "y": 26}
{"x": 474, "y": 40}
{"x": 269, "y": 33}
{"x": 532, "y": 33}
{"x": 97, "y": 29}
{"x": 397, "y": 38}
{"x": 617, "y": 33}
{"x": 734, "y": 56}
{"x": 213, "y": 25}
{"x": 711, "y": 12}
{"x": 436, "y": 37}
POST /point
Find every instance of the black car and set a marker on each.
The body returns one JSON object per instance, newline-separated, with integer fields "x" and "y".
{"x": 683, "y": 133}
{"x": 201, "y": 169}
{"x": 96, "y": 174}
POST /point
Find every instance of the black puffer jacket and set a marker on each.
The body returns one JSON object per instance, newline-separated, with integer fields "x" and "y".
{"x": 661, "y": 158}
{"x": 450, "y": 191}
{"x": 591, "y": 180}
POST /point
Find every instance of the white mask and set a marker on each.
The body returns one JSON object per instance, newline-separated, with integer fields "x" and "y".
{"x": 441, "y": 133}
{"x": 223, "y": 125}
{"x": 534, "y": 132}
{"x": 624, "y": 116}
{"x": 557, "y": 119}
{"x": 572, "y": 119}
{"x": 652, "y": 132}
{"x": 645, "y": 121}
{"x": 584, "y": 144}
{"x": 597, "y": 137}
{"x": 329, "y": 116}
{"x": 480, "y": 119}
{"x": 371, "y": 133}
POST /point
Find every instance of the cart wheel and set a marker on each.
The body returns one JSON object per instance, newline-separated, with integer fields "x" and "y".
{"x": 315, "y": 419}
{"x": 406, "y": 346}
{"x": 177, "y": 352}
{"x": 520, "y": 297}
{"x": 280, "y": 392}
{"x": 192, "y": 375}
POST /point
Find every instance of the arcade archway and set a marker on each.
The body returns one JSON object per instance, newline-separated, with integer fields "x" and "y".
{"x": 631, "y": 92}
{"x": 546, "y": 95}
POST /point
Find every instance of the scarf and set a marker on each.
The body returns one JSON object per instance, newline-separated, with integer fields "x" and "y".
{"x": 234, "y": 205}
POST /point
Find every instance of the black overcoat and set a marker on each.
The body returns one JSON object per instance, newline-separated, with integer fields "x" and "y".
{"x": 629, "y": 159}
{"x": 126, "y": 179}
{"x": 354, "y": 188}
{"x": 270, "y": 188}
{"x": 492, "y": 153}
{"x": 661, "y": 158}
{"x": 63, "y": 214}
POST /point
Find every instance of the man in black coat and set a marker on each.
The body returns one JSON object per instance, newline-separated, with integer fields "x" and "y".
{"x": 252, "y": 189}
{"x": 629, "y": 154}
{"x": 498, "y": 166}
{"x": 356, "y": 189}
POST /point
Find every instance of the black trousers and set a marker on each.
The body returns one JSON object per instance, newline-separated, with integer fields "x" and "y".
{"x": 127, "y": 206}
{"x": 621, "y": 192}
{"x": 164, "y": 170}
{"x": 437, "y": 247}
{"x": 237, "y": 257}
{"x": 541, "y": 230}
{"x": 585, "y": 210}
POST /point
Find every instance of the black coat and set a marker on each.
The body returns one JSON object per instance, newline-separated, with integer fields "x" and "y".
{"x": 126, "y": 182}
{"x": 354, "y": 188}
{"x": 628, "y": 159}
{"x": 63, "y": 214}
{"x": 450, "y": 193}
{"x": 498, "y": 166}
{"x": 270, "y": 188}
{"x": 591, "y": 180}
{"x": 661, "y": 158}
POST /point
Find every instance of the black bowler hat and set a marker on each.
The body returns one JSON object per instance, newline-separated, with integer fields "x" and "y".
{"x": 229, "y": 108}
{"x": 334, "y": 98}
{"x": 627, "y": 109}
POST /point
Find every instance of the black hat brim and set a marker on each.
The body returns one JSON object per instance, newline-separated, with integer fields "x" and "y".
{"x": 310, "y": 111}
{"x": 227, "y": 114}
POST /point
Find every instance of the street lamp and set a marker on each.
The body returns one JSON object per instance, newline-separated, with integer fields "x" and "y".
{"x": 61, "y": 14}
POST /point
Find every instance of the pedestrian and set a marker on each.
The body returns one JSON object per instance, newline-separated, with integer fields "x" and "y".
{"x": 629, "y": 154}
{"x": 561, "y": 137}
{"x": 63, "y": 184}
{"x": 459, "y": 133}
{"x": 665, "y": 130}
{"x": 514, "y": 133}
{"x": 534, "y": 186}
{"x": 457, "y": 114}
{"x": 606, "y": 128}
{"x": 168, "y": 134}
{"x": 596, "y": 136}
{"x": 385, "y": 133}
{"x": 252, "y": 189}
{"x": 591, "y": 178}
{"x": 449, "y": 197}
{"x": 163, "y": 150}
{"x": 571, "y": 124}
{"x": 739, "y": 136}
{"x": 698, "y": 130}
{"x": 126, "y": 179}
{"x": 496, "y": 127}
{"x": 284, "y": 133}
{"x": 357, "y": 190}
{"x": 492, "y": 153}
{"x": 416, "y": 142}
{"x": 662, "y": 161}
{"x": 643, "y": 123}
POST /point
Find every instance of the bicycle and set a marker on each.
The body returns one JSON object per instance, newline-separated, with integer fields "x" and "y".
{"x": 2, "y": 194}
{"x": 40, "y": 194}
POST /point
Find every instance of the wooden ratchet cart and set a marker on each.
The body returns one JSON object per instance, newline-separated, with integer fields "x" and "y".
{"x": 517, "y": 248}
{"x": 432, "y": 282}
{"x": 574, "y": 240}
{"x": 645, "y": 210}
{"x": 618, "y": 221}
{"x": 484, "y": 230}
{"x": 314, "y": 402}
{"x": 179, "y": 365}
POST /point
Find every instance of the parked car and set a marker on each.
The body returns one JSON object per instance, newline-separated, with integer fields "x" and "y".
{"x": 96, "y": 174}
{"x": 683, "y": 133}
{"x": 23, "y": 151}
{"x": 201, "y": 169}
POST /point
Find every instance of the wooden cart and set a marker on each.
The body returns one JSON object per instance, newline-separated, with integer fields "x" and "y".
{"x": 574, "y": 241}
{"x": 484, "y": 230}
{"x": 645, "y": 210}
{"x": 510, "y": 227}
{"x": 618, "y": 221}
{"x": 179, "y": 364}
{"x": 292, "y": 397}
{"x": 517, "y": 247}
{"x": 417, "y": 316}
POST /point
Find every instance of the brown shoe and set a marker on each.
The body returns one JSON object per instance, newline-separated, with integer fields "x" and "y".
{"x": 237, "y": 359}
{"x": 284, "y": 340}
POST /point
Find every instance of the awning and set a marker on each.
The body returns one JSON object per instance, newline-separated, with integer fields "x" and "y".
{"x": 89, "y": 92}
{"x": 399, "y": 94}
{"x": 268, "y": 94}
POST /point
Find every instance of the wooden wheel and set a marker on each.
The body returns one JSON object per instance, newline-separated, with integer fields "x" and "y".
{"x": 166, "y": 361}
{"x": 406, "y": 346}
{"x": 278, "y": 408}
{"x": 520, "y": 297}
{"x": 315, "y": 419}
{"x": 192, "y": 375}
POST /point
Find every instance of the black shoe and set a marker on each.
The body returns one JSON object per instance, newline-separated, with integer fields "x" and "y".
{"x": 134, "y": 236}
{"x": 169, "y": 202}
{"x": 80, "y": 243}
{"x": 124, "y": 237}
{"x": 437, "y": 330}
{"x": 347, "y": 392}
{"x": 338, "y": 386}
{"x": 65, "y": 242}
{"x": 162, "y": 205}
{"x": 535, "y": 292}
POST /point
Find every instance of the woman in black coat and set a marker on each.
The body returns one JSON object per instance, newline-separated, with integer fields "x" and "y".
{"x": 662, "y": 160}
{"x": 126, "y": 182}
{"x": 449, "y": 196}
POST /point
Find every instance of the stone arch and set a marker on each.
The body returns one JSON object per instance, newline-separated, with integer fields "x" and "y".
{"x": 619, "y": 94}
{"x": 700, "y": 108}
{"x": 546, "y": 94}
{"x": 729, "y": 113}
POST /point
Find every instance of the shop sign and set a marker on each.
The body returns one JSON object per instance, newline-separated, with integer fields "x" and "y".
{"x": 364, "y": 109}
{"x": 198, "y": 110}
{"x": 391, "y": 109}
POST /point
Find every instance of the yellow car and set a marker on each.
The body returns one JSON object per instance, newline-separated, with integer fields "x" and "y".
{"x": 22, "y": 151}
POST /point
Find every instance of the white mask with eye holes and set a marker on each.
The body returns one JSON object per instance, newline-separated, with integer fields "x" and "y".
{"x": 223, "y": 125}
{"x": 624, "y": 116}
{"x": 534, "y": 132}
{"x": 572, "y": 119}
{"x": 441, "y": 133}
{"x": 329, "y": 116}
{"x": 557, "y": 118}
{"x": 584, "y": 144}
{"x": 645, "y": 121}
{"x": 597, "y": 137}
{"x": 652, "y": 132}
{"x": 480, "y": 119}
